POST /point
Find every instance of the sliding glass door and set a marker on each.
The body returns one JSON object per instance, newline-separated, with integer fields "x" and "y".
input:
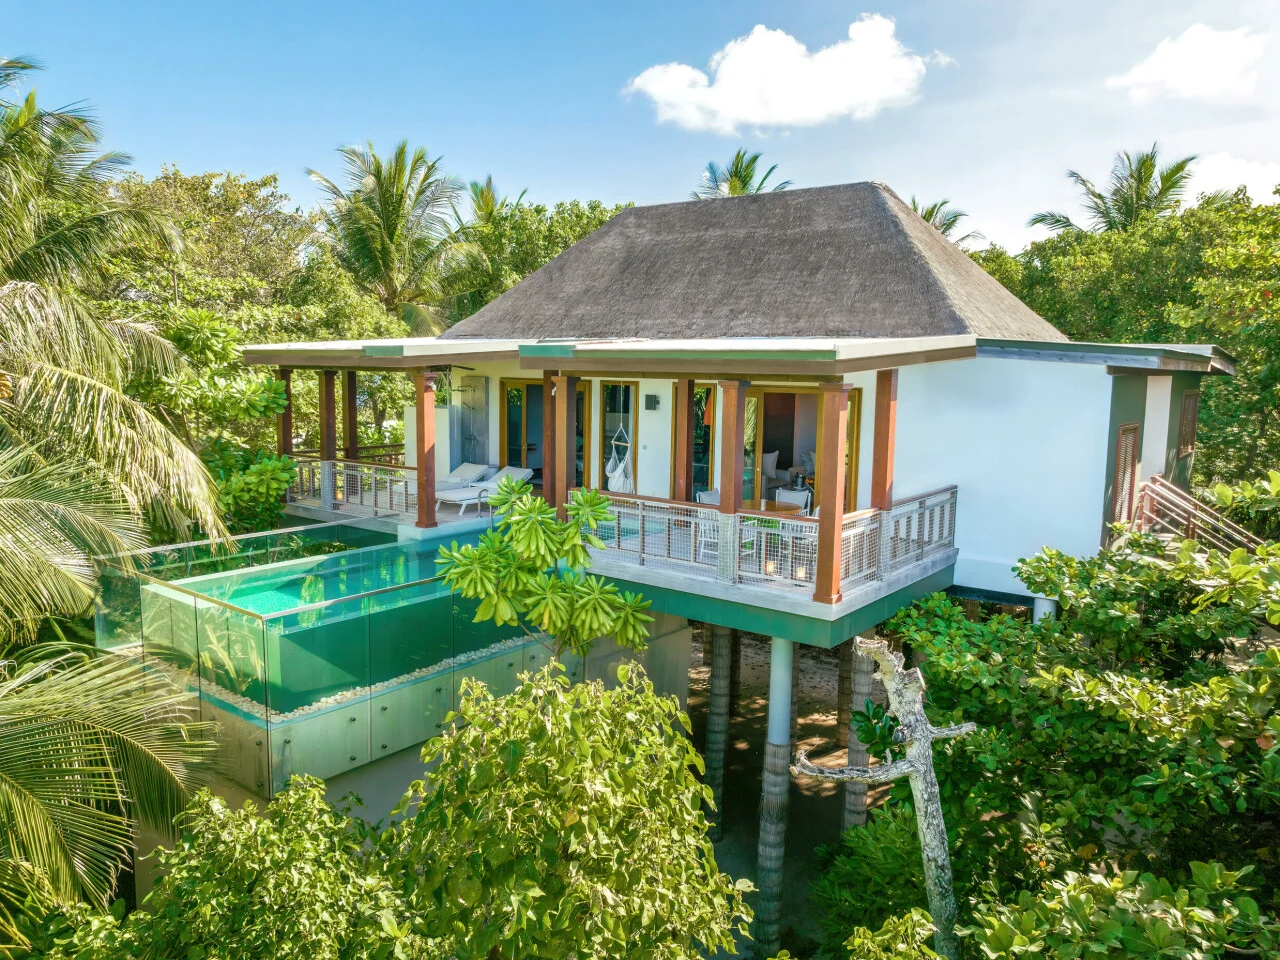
{"x": 521, "y": 442}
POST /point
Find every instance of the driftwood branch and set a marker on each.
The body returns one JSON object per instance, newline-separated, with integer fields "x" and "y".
{"x": 884, "y": 773}
{"x": 905, "y": 689}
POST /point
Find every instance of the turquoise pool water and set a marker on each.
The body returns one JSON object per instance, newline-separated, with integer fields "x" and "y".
{"x": 271, "y": 591}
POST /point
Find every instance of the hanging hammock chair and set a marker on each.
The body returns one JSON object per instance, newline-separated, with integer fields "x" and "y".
{"x": 619, "y": 477}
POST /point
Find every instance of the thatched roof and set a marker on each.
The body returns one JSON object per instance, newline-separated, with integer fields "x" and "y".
{"x": 842, "y": 261}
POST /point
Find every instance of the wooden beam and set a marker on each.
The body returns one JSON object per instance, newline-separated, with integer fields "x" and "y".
{"x": 424, "y": 395}
{"x": 566, "y": 451}
{"x": 350, "y": 420}
{"x": 886, "y": 426}
{"x": 682, "y": 486}
{"x": 284, "y": 422}
{"x": 548, "y": 440}
{"x": 328, "y": 417}
{"x": 831, "y": 469}
{"x": 733, "y": 407}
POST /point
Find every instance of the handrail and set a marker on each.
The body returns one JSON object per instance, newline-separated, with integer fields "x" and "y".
{"x": 923, "y": 496}
{"x": 1162, "y": 506}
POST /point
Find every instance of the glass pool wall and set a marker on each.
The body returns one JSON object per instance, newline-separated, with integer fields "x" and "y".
{"x": 326, "y": 687}
{"x": 313, "y": 657}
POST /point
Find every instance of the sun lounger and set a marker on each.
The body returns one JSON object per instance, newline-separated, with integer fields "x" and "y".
{"x": 478, "y": 493}
{"x": 461, "y": 477}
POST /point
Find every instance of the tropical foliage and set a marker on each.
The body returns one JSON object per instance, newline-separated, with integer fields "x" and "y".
{"x": 583, "y": 835}
{"x": 68, "y": 421}
{"x": 945, "y": 218}
{"x": 90, "y": 745}
{"x": 741, "y": 176}
{"x": 1137, "y": 189}
{"x": 392, "y": 224}
{"x": 556, "y": 821}
{"x": 295, "y": 881}
{"x": 529, "y": 571}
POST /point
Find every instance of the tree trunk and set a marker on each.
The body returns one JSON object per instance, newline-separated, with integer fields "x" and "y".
{"x": 775, "y": 789}
{"x": 774, "y": 800}
{"x": 844, "y": 693}
{"x": 855, "y": 794}
{"x": 735, "y": 675}
{"x": 717, "y": 723}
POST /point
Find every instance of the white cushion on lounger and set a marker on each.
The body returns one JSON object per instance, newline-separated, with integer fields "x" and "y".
{"x": 465, "y": 475}
{"x": 472, "y": 493}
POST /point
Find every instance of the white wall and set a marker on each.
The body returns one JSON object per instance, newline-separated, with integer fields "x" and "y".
{"x": 1155, "y": 427}
{"x": 866, "y": 382}
{"x": 1025, "y": 441}
{"x": 806, "y": 426}
{"x": 442, "y": 439}
{"x": 653, "y": 474}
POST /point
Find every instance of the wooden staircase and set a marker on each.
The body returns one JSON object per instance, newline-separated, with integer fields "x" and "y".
{"x": 1171, "y": 513}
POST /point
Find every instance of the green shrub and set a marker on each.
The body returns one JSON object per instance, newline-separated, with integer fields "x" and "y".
{"x": 1127, "y": 915}
{"x": 874, "y": 873}
{"x": 564, "y": 821}
{"x": 294, "y": 882}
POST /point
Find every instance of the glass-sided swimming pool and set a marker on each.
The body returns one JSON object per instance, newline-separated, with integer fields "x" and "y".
{"x": 317, "y": 663}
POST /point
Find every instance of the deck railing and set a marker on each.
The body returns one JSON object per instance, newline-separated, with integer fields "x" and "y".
{"x": 775, "y": 551}
{"x": 364, "y": 489}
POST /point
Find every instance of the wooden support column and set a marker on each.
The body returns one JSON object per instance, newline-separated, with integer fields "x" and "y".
{"x": 549, "y": 437}
{"x": 328, "y": 417}
{"x": 733, "y": 414}
{"x": 886, "y": 426}
{"x": 424, "y": 414}
{"x": 350, "y": 422}
{"x": 831, "y": 468}
{"x": 682, "y": 487}
{"x": 566, "y": 452}
{"x": 284, "y": 423}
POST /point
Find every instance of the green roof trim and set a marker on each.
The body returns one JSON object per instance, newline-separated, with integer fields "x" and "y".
{"x": 384, "y": 350}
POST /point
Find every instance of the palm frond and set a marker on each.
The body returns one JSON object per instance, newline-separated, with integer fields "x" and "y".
{"x": 55, "y": 517}
{"x": 87, "y": 742}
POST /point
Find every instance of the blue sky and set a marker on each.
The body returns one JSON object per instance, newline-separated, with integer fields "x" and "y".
{"x": 987, "y": 103}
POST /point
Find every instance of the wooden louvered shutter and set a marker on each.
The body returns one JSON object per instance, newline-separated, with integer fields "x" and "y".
{"x": 1126, "y": 473}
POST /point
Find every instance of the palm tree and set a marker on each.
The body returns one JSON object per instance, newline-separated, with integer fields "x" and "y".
{"x": 1138, "y": 188}
{"x": 89, "y": 745}
{"x": 944, "y": 218}
{"x": 87, "y": 468}
{"x": 486, "y": 205}
{"x": 737, "y": 179}
{"x": 395, "y": 228}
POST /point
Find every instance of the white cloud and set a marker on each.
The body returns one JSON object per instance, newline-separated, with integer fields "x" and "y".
{"x": 770, "y": 79}
{"x": 1222, "y": 171}
{"x": 1218, "y": 66}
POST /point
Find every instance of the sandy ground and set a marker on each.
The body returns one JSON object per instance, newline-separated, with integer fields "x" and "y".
{"x": 816, "y": 807}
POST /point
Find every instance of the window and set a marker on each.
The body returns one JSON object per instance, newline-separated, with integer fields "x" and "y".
{"x": 1187, "y": 422}
{"x": 1126, "y": 473}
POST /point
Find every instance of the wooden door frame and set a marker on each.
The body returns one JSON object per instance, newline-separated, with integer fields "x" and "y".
{"x": 635, "y": 427}
{"x": 523, "y": 383}
{"x": 711, "y": 451}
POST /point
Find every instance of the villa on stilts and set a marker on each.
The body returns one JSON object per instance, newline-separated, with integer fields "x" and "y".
{"x": 808, "y": 409}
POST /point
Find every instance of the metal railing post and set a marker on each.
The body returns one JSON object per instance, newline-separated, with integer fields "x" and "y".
{"x": 327, "y": 492}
